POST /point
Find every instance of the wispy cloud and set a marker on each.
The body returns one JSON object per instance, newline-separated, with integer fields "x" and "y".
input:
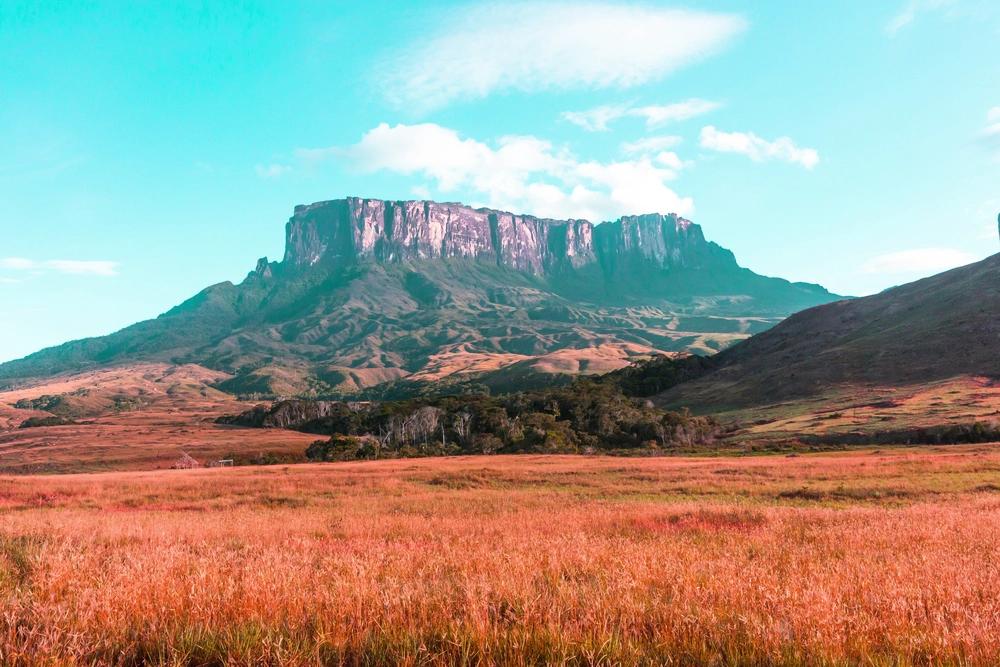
{"x": 421, "y": 191}
{"x": 909, "y": 12}
{"x": 917, "y": 260}
{"x": 269, "y": 171}
{"x": 758, "y": 149}
{"x": 315, "y": 155}
{"x": 17, "y": 263}
{"x": 66, "y": 266}
{"x": 519, "y": 173}
{"x": 532, "y": 47}
{"x": 598, "y": 118}
{"x": 651, "y": 144}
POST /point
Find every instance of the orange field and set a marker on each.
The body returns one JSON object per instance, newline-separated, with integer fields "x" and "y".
{"x": 876, "y": 558}
{"x": 169, "y": 411}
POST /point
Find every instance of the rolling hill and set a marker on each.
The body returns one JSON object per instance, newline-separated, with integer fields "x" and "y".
{"x": 922, "y": 354}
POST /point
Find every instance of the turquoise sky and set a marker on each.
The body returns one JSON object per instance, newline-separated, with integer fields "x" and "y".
{"x": 147, "y": 152}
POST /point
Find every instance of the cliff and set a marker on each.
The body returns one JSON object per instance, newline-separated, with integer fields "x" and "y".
{"x": 346, "y": 230}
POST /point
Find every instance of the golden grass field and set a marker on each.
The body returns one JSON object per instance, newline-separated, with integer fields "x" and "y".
{"x": 869, "y": 409}
{"x": 871, "y": 558}
{"x": 173, "y": 411}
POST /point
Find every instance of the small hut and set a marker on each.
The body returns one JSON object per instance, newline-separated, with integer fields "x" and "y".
{"x": 186, "y": 461}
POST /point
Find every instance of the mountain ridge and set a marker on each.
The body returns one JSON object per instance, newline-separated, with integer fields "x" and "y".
{"x": 370, "y": 291}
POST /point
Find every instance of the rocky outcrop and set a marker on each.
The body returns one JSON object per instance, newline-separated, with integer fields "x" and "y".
{"x": 263, "y": 269}
{"x": 351, "y": 229}
{"x": 283, "y": 414}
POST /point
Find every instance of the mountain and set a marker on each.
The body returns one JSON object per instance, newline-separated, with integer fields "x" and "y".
{"x": 931, "y": 330}
{"x": 371, "y": 292}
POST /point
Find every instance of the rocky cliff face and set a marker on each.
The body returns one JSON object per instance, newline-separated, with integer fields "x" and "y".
{"x": 662, "y": 241}
{"x": 284, "y": 414}
{"x": 346, "y": 230}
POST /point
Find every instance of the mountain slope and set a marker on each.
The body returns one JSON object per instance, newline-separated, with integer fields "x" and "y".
{"x": 371, "y": 291}
{"x": 940, "y": 327}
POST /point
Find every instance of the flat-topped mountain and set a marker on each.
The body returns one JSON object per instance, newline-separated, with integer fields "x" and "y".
{"x": 372, "y": 291}
{"x": 353, "y": 229}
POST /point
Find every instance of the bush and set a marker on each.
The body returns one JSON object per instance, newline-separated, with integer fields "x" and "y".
{"x": 342, "y": 448}
{"x": 34, "y": 422}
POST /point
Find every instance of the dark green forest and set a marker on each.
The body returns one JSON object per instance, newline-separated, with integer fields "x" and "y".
{"x": 605, "y": 414}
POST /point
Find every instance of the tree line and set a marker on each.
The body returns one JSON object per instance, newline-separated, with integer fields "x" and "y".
{"x": 603, "y": 414}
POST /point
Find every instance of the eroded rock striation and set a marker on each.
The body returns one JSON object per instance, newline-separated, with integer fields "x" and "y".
{"x": 351, "y": 229}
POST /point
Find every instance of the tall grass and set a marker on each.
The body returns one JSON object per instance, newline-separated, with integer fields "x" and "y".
{"x": 857, "y": 559}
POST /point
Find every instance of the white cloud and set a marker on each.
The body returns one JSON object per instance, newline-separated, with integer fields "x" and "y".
{"x": 668, "y": 113}
{"x": 67, "y": 266}
{"x": 597, "y": 119}
{"x": 992, "y": 123}
{"x": 908, "y": 13}
{"x": 271, "y": 170}
{"x": 917, "y": 260}
{"x": 17, "y": 263}
{"x": 901, "y": 19}
{"x": 651, "y": 144}
{"x": 421, "y": 191}
{"x": 520, "y": 173}
{"x": 532, "y": 47}
{"x": 756, "y": 148}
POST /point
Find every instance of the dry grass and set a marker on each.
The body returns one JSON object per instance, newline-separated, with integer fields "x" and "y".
{"x": 957, "y": 401}
{"x": 139, "y": 441}
{"x": 865, "y": 558}
{"x": 171, "y": 410}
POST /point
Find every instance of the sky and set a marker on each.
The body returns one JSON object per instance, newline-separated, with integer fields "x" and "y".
{"x": 148, "y": 150}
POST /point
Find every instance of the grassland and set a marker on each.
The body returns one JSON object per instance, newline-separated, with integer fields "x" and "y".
{"x": 869, "y": 410}
{"x": 875, "y": 558}
{"x": 138, "y": 417}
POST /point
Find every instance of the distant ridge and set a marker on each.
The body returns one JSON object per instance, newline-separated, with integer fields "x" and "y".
{"x": 371, "y": 291}
{"x": 937, "y": 328}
